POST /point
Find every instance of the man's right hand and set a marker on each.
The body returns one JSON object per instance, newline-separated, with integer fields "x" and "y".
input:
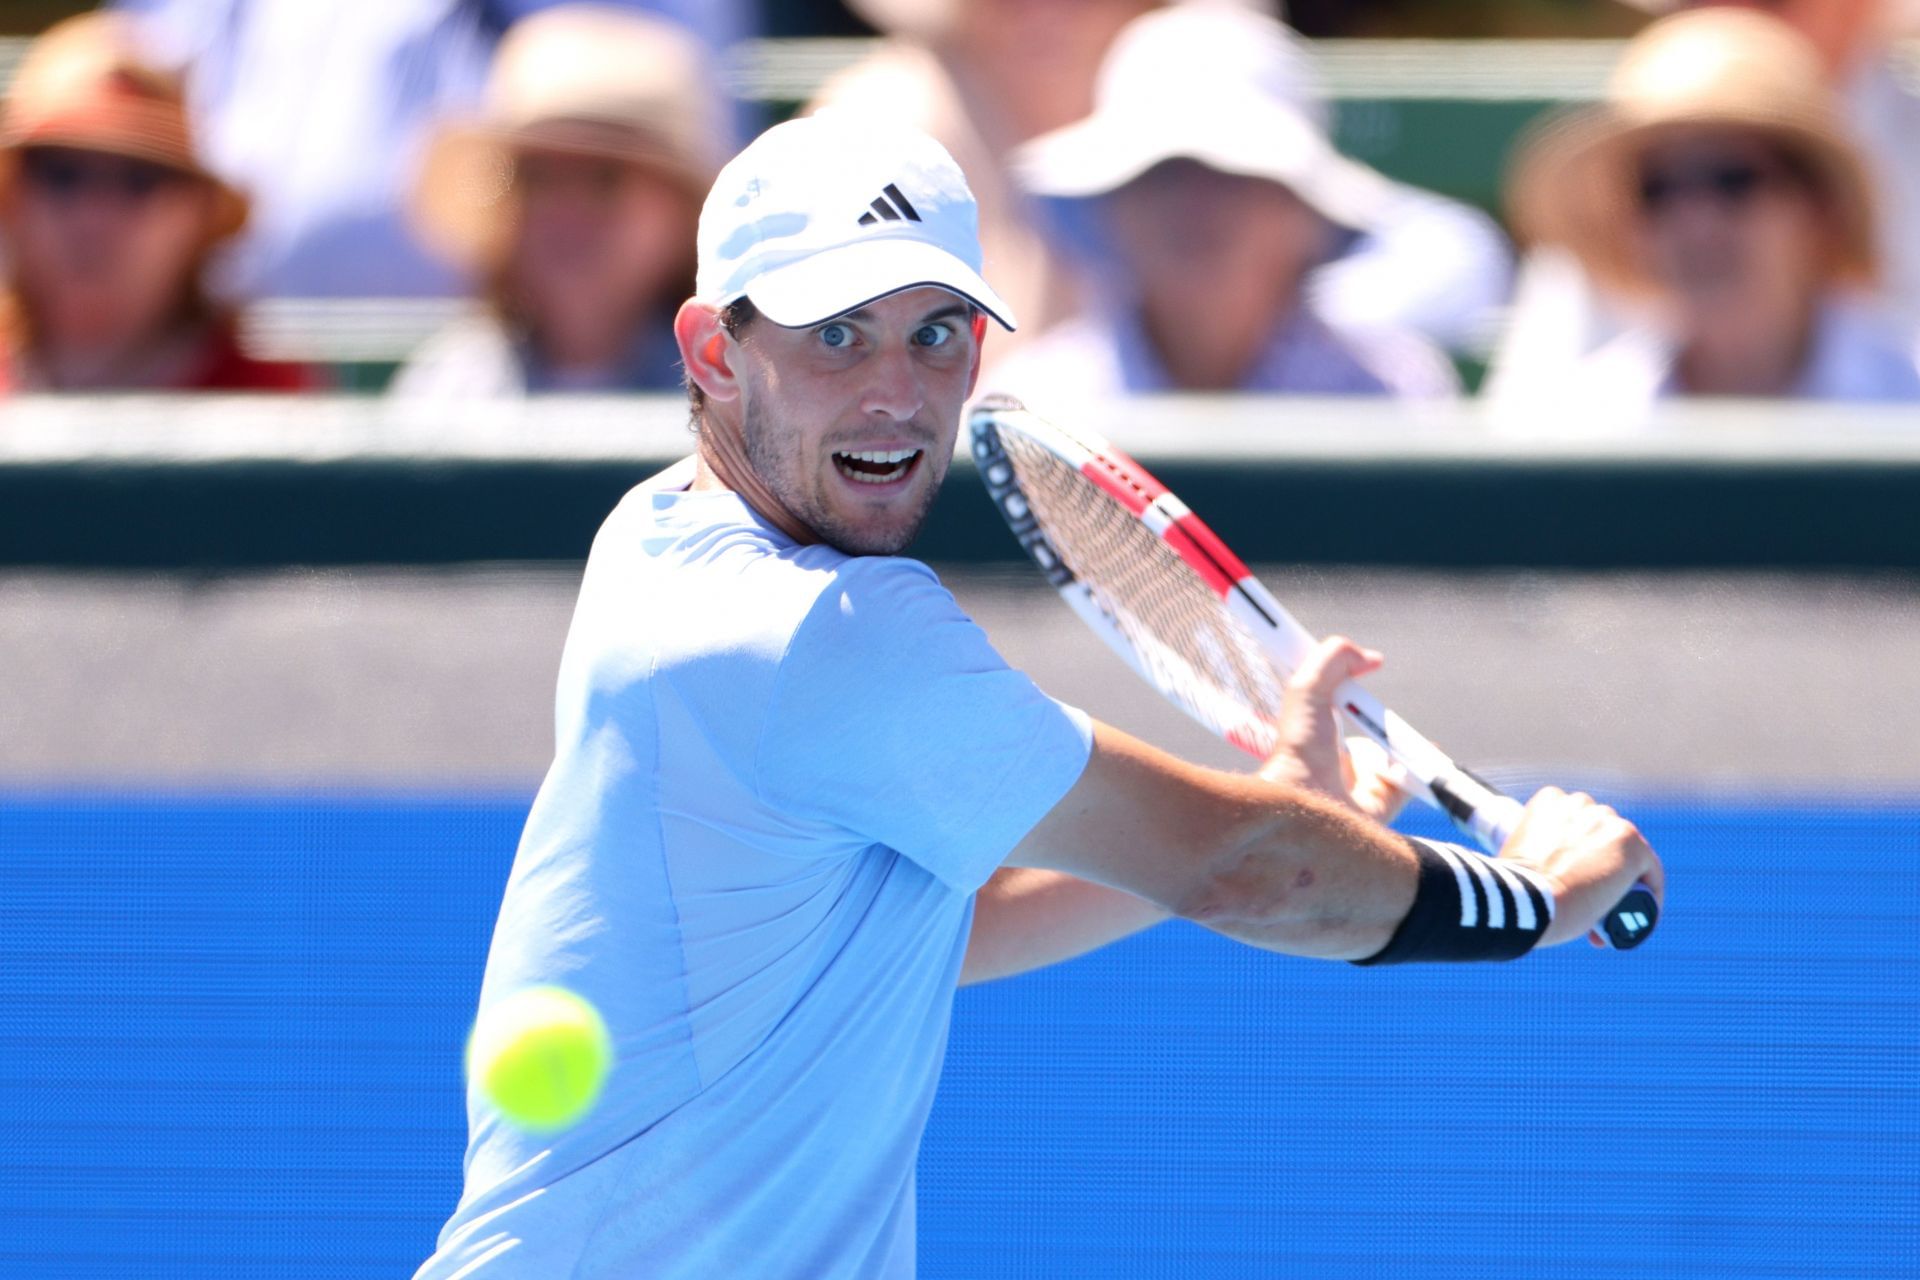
{"x": 1590, "y": 854}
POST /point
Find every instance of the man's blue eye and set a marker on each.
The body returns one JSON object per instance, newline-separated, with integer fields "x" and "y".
{"x": 933, "y": 335}
{"x": 836, "y": 335}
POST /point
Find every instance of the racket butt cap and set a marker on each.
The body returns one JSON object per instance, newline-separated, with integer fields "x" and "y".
{"x": 1631, "y": 922}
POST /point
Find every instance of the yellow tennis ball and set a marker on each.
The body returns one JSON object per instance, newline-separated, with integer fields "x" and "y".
{"x": 540, "y": 1055}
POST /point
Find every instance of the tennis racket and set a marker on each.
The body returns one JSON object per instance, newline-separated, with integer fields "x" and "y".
{"x": 1168, "y": 596}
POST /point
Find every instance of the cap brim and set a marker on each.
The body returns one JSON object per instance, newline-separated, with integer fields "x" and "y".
{"x": 1101, "y": 154}
{"x": 836, "y": 281}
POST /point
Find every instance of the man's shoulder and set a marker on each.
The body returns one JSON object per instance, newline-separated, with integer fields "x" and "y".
{"x": 698, "y": 574}
{"x": 715, "y": 534}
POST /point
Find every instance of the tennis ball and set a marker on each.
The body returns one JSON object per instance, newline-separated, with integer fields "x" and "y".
{"x": 540, "y": 1055}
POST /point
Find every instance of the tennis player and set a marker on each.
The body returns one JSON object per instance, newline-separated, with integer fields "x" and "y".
{"x": 797, "y": 797}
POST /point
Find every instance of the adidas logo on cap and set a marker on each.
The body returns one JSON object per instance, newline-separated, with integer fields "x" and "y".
{"x": 890, "y": 205}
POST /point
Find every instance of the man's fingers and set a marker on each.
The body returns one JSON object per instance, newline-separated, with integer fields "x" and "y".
{"x": 1589, "y": 849}
{"x": 1308, "y": 752}
{"x": 1332, "y": 663}
{"x": 1380, "y": 786}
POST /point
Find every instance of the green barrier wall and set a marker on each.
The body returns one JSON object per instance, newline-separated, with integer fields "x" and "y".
{"x": 244, "y": 484}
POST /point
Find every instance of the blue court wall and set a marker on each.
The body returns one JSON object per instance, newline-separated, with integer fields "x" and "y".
{"x": 230, "y": 1030}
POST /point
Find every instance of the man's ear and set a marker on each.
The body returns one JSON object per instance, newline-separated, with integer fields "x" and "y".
{"x": 704, "y": 344}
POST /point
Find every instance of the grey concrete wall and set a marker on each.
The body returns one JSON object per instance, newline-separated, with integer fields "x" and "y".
{"x": 444, "y": 678}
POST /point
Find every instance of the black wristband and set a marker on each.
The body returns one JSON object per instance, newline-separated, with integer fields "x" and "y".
{"x": 1468, "y": 906}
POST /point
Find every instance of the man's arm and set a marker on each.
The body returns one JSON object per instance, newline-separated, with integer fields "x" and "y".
{"x": 1285, "y": 866}
{"x": 1268, "y": 863}
{"x": 1026, "y": 918}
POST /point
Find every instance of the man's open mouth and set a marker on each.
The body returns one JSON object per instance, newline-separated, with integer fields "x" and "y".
{"x": 876, "y": 466}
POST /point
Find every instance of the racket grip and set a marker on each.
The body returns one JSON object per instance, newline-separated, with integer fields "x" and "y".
{"x": 1492, "y": 821}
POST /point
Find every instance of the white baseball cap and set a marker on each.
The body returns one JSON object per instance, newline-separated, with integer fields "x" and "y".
{"x": 822, "y": 215}
{"x": 1216, "y": 83}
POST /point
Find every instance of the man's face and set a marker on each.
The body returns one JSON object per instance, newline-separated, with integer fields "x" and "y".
{"x": 851, "y": 422}
{"x": 1727, "y": 225}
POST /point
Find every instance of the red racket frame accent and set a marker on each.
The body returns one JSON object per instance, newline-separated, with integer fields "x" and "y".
{"x": 1134, "y": 488}
{"x": 1131, "y": 484}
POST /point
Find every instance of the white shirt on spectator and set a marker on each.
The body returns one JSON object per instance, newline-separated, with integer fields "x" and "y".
{"x": 479, "y": 357}
{"x": 1434, "y": 266}
{"x": 1103, "y": 355}
{"x": 1857, "y": 355}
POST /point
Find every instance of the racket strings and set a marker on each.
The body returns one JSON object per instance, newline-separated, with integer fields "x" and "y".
{"x": 1182, "y": 637}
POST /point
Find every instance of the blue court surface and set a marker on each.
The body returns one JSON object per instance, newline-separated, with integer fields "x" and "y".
{"x": 230, "y": 1030}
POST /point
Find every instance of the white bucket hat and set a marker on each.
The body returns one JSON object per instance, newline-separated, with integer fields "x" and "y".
{"x": 822, "y": 215}
{"x": 1215, "y": 83}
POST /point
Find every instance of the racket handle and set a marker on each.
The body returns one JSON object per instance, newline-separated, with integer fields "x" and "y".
{"x": 1631, "y": 921}
{"x": 1490, "y": 818}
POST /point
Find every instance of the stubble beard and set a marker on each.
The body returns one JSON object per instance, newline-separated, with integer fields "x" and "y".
{"x": 776, "y": 457}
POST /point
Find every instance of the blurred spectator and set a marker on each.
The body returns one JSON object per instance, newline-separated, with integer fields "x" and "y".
{"x": 572, "y": 203}
{"x": 322, "y": 111}
{"x": 1718, "y": 193}
{"x": 1856, "y": 39}
{"x": 1217, "y": 196}
{"x": 108, "y": 218}
{"x": 1557, "y": 316}
{"x": 984, "y": 76}
{"x": 988, "y": 75}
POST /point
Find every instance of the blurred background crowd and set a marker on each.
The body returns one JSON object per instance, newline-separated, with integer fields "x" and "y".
{"x": 1164, "y": 197}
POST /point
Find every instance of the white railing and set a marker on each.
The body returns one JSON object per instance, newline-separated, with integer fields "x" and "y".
{"x": 1258, "y": 429}
{"x": 1486, "y": 70}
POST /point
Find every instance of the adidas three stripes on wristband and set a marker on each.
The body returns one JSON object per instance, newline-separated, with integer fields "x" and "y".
{"x": 1468, "y": 906}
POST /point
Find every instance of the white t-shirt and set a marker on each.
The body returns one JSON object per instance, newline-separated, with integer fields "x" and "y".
{"x": 781, "y": 774}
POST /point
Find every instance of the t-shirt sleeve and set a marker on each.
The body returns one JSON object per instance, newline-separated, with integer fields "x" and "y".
{"x": 893, "y": 717}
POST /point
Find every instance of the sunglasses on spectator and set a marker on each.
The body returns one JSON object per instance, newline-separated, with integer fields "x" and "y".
{"x": 66, "y": 173}
{"x": 1731, "y": 184}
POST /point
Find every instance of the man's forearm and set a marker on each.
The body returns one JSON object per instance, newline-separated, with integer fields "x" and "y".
{"x": 1310, "y": 879}
{"x": 1026, "y": 919}
{"x": 1268, "y": 863}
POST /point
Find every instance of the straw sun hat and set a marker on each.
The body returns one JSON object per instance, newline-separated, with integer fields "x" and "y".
{"x": 579, "y": 79}
{"x": 89, "y": 84}
{"x": 1575, "y": 181}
